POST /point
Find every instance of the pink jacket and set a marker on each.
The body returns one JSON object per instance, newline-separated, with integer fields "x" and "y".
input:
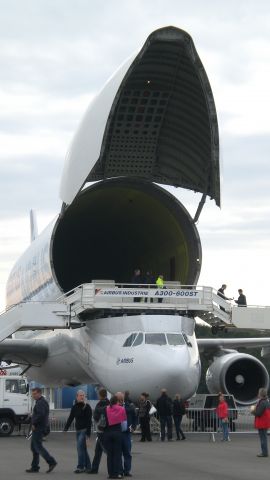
{"x": 115, "y": 414}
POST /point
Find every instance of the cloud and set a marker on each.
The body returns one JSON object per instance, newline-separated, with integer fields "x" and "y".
{"x": 29, "y": 182}
{"x": 56, "y": 54}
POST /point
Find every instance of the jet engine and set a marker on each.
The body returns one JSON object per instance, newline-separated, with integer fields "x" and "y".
{"x": 238, "y": 374}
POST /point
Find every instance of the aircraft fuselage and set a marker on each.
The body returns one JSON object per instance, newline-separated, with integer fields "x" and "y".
{"x": 95, "y": 354}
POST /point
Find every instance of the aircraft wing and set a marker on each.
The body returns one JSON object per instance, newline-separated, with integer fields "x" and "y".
{"x": 26, "y": 352}
{"x": 214, "y": 344}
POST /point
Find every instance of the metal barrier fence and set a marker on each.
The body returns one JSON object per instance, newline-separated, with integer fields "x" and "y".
{"x": 194, "y": 421}
{"x": 205, "y": 420}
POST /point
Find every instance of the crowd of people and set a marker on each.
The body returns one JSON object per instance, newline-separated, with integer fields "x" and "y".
{"x": 148, "y": 279}
{"x": 139, "y": 279}
{"x": 117, "y": 418}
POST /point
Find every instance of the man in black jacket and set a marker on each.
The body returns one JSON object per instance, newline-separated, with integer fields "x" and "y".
{"x": 82, "y": 413}
{"x": 40, "y": 425}
{"x": 241, "y": 301}
{"x": 221, "y": 293}
{"x": 164, "y": 410}
{"x": 99, "y": 413}
{"x": 149, "y": 279}
{"x": 178, "y": 411}
{"x": 144, "y": 417}
{"x": 137, "y": 280}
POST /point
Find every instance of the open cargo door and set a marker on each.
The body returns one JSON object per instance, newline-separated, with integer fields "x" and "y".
{"x": 155, "y": 119}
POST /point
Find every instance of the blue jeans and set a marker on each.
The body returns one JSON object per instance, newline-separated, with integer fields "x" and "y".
{"x": 38, "y": 449}
{"x": 263, "y": 438}
{"x": 165, "y": 420}
{"x": 225, "y": 429}
{"x": 99, "y": 449}
{"x": 126, "y": 452}
{"x": 83, "y": 457}
{"x": 178, "y": 430}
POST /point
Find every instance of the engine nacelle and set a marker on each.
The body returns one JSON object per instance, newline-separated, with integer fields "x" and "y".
{"x": 238, "y": 374}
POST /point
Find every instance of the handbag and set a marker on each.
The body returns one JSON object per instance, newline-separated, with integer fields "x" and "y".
{"x": 124, "y": 426}
{"x": 152, "y": 410}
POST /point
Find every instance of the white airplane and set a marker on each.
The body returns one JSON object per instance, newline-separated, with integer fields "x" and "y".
{"x": 153, "y": 122}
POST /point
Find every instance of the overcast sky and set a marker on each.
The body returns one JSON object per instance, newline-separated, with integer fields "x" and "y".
{"x": 56, "y": 54}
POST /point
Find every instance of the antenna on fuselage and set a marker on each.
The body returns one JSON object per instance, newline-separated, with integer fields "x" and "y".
{"x": 33, "y": 225}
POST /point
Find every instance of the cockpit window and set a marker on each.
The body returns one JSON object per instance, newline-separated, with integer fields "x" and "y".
{"x": 175, "y": 339}
{"x": 155, "y": 339}
{"x": 139, "y": 340}
{"x": 189, "y": 344}
{"x": 130, "y": 340}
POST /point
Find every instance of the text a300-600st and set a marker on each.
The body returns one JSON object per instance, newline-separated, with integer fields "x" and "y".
{"x": 147, "y": 293}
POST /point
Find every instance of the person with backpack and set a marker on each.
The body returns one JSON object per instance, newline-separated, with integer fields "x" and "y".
{"x": 116, "y": 419}
{"x": 82, "y": 413}
{"x": 262, "y": 420}
{"x": 164, "y": 410}
{"x": 100, "y": 420}
{"x": 178, "y": 411}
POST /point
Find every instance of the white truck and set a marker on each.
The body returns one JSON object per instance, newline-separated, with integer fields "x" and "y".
{"x": 15, "y": 402}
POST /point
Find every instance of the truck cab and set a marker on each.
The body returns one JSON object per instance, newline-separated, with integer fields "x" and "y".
{"x": 15, "y": 403}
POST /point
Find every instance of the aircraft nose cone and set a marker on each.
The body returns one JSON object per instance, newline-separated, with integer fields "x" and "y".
{"x": 178, "y": 374}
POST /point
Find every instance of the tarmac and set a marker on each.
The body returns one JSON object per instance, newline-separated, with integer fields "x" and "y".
{"x": 196, "y": 457}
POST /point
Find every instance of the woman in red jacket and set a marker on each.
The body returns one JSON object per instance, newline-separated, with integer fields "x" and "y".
{"x": 222, "y": 413}
{"x": 262, "y": 419}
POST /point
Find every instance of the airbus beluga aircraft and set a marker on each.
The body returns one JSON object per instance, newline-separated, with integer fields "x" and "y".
{"x": 154, "y": 123}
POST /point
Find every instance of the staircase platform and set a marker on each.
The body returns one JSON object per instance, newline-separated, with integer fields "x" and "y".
{"x": 100, "y": 298}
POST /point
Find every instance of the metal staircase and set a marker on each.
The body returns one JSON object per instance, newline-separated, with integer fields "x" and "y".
{"x": 95, "y": 296}
{"x": 35, "y": 316}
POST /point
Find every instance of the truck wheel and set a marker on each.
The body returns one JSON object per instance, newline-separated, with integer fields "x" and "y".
{"x": 6, "y": 427}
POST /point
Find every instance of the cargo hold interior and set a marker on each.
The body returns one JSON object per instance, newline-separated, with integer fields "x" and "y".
{"x": 118, "y": 225}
